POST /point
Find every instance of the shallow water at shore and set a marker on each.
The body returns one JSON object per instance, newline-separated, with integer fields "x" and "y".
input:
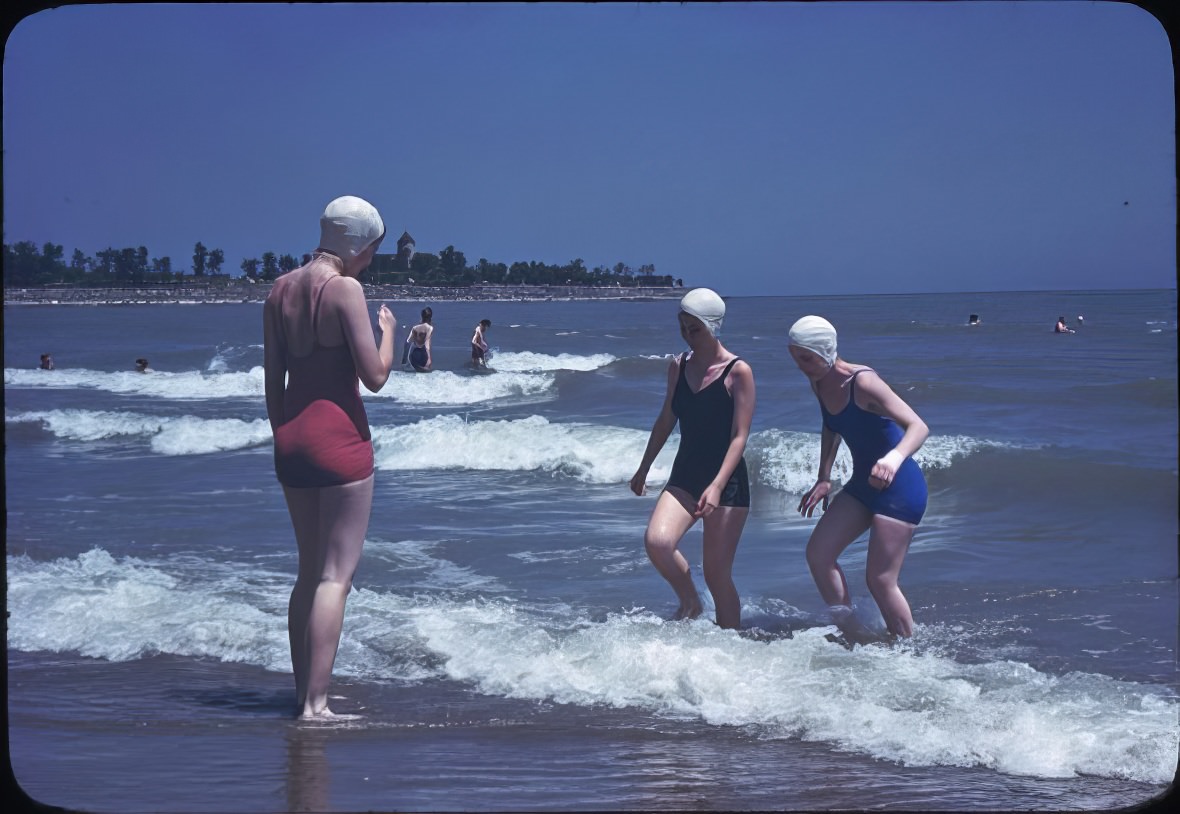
{"x": 507, "y": 647}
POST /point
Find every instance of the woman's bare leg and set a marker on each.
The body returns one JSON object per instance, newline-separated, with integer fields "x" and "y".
{"x": 844, "y": 521}
{"x": 304, "y": 507}
{"x": 889, "y": 541}
{"x": 330, "y": 525}
{"x": 670, "y": 519}
{"x": 723, "y": 530}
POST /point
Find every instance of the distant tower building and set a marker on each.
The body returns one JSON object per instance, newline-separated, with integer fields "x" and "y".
{"x": 405, "y": 251}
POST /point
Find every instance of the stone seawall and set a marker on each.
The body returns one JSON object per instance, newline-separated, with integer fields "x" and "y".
{"x": 247, "y": 292}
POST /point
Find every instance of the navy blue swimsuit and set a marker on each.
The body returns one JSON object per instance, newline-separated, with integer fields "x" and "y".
{"x": 418, "y": 357}
{"x": 706, "y": 423}
{"x": 869, "y": 436}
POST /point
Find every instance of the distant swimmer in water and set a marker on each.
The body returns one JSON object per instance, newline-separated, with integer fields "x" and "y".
{"x": 1061, "y": 327}
{"x": 479, "y": 345}
{"x": 46, "y": 362}
{"x": 710, "y": 392}
{"x": 418, "y": 343}
{"x": 141, "y": 365}
{"x": 318, "y": 345}
{"x": 886, "y": 494}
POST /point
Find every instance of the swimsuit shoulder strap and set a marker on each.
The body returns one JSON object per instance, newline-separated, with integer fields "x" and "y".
{"x": 852, "y": 382}
{"x": 317, "y": 294}
{"x": 728, "y": 368}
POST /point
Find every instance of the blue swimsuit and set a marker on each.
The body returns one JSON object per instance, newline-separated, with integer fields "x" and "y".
{"x": 869, "y": 436}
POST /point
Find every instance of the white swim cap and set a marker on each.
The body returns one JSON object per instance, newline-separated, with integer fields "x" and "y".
{"x": 349, "y": 225}
{"x": 817, "y": 335}
{"x": 707, "y": 306}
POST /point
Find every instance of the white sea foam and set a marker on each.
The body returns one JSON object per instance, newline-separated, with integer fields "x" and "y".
{"x": 444, "y": 387}
{"x": 180, "y": 435}
{"x": 189, "y": 385}
{"x": 891, "y": 704}
{"x": 228, "y": 357}
{"x": 441, "y": 387}
{"x": 589, "y": 453}
{"x": 126, "y": 609}
{"x": 189, "y": 435}
{"x": 902, "y": 704}
{"x": 526, "y": 362}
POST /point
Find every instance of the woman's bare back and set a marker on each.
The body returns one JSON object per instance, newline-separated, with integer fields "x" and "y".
{"x": 304, "y": 325}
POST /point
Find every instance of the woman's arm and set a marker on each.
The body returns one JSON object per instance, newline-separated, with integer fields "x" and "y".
{"x": 275, "y": 361}
{"x": 880, "y": 399}
{"x": 373, "y": 361}
{"x": 829, "y": 445}
{"x": 664, "y": 424}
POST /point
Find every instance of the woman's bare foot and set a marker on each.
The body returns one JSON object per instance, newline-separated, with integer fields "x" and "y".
{"x": 309, "y": 714}
{"x": 689, "y": 611}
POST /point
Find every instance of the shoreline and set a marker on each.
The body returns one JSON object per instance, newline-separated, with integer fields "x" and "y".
{"x": 237, "y": 293}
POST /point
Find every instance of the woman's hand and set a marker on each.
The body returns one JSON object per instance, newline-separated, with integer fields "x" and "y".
{"x": 710, "y": 500}
{"x": 815, "y": 495}
{"x": 885, "y": 468}
{"x": 639, "y": 482}
{"x": 386, "y": 319}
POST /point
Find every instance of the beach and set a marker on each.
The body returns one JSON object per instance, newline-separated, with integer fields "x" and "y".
{"x": 508, "y": 646}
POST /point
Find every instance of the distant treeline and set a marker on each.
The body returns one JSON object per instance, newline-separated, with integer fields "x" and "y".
{"x": 26, "y": 265}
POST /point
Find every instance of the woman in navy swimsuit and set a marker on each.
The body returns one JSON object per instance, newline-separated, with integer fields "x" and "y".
{"x": 711, "y": 394}
{"x": 886, "y": 493}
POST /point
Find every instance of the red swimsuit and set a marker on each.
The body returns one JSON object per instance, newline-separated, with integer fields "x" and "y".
{"x": 325, "y": 439}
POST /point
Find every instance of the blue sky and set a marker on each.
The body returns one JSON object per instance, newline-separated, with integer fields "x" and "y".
{"x": 764, "y": 148}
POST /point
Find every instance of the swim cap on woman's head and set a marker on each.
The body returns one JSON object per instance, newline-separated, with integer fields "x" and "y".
{"x": 817, "y": 335}
{"x": 349, "y": 225}
{"x": 707, "y": 306}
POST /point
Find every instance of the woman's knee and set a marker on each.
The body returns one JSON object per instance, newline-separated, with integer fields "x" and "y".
{"x": 880, "y": 583}
{"x": 819, "y": 557}
{"x": 658, "y": 544}
{"x": 719, "y": 580}
{"x": 336, "y": 582}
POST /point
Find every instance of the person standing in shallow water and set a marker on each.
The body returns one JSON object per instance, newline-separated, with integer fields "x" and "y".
{"x": 418, "y": 343}
{"x": 710, "y": 393}
{"x": 886, "y": 494}
{"x": 479, "y": 345}
{"x": 318, "y": 344}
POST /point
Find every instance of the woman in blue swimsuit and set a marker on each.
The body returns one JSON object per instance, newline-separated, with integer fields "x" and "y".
{"x": 418, "y": 341}
{"x": 711, "y": 394}
{"x": 886, "y": 494}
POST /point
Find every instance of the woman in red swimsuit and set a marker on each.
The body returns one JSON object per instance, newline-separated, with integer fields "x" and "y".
{"x": 318, "y": 343}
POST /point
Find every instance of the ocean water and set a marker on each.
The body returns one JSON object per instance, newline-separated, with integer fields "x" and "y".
{"x": 507, "y": 645}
